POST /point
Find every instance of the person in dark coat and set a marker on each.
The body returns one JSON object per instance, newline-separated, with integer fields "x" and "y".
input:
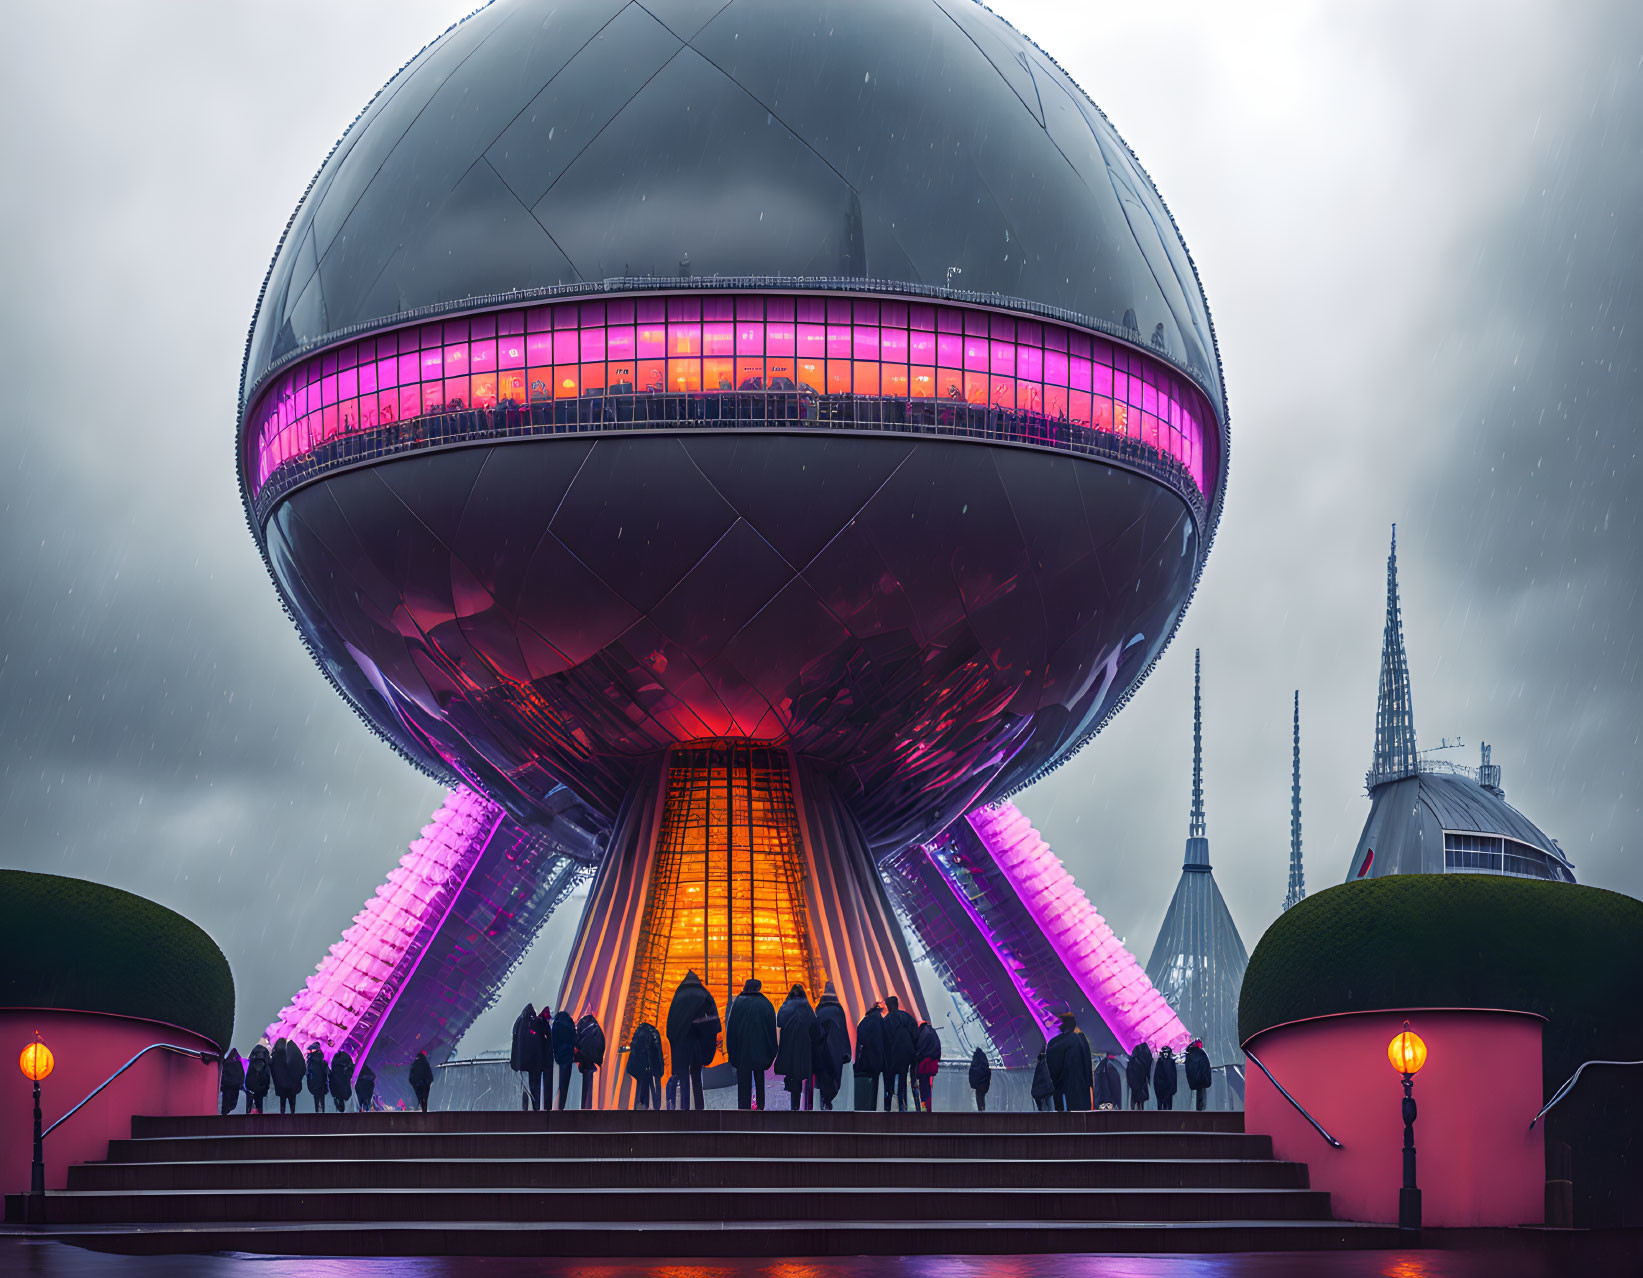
{"x": 421, "y": 1079}
{"x": 645, "y": 1066}
{"x": 342, "y": 1079}
{"x": 365, "y": 1088}
{"x": 750, "y": 1042}
{"x": 259, "y": 1075}
{"x": 231, "y": 1078}
{"x": 1043, "y": 1084}
{"x": 830, "y": 1045}
{"x": 590, "y": 1052}
{"x": 287, "y": 1067}
{"x": 1071, "y": 1069}
{"x": 692, "y": 1036}
{"x": 318, "y": 1074}
{"x": 1109, "y": 1083}
{"x": 795, "y": 1048}
{"x": 525, "y": 1057}
{"x": 869, "y": 1066}
{"x": 981, "y": 1077}
{"x": 1138, "y": 1073}
{"x": 1199, "y": 1074}
{"x": 926, "y": 1065}
{"x": 1163, "y": 1078}
{"x": 564, "y": 1051}
{"x": 900, "y": 1033}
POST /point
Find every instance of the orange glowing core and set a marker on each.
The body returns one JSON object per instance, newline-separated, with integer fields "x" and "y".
{"x": 727, "y": 888}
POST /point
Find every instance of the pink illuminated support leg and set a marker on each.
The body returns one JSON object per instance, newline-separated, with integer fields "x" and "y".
{"x": 1106, "y": 972}
{"x": 348, "y": 998}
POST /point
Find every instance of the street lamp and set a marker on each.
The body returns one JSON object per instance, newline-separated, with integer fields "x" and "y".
{"x": 36, "y": 1062}
{"x": 1407, "y": 1052}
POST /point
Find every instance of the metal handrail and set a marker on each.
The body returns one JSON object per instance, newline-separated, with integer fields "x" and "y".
{"x": 1316, "y": 1125}
{"x": 152, "y": 1047}
{"x": 1569, "y": 1087}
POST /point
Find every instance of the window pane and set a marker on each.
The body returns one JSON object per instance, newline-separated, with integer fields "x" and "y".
{"x": 719, "y": 374}
{"x": 718, "y": 339}
{"x": 923, "y": 383}
{"x": 749, "y": 374}
{"x": 684, "y": 375}
{"x": 866, "y": 374}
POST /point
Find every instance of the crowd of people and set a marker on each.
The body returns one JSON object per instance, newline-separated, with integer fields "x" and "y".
{"x": 1067, "y": 1075}
{"x": 807, "y": 1046}
{"x": 283, "y": 1068}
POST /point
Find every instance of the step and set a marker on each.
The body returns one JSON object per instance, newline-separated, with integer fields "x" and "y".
{"x": 914, "y": 1235}
{"x": 686, "y": 1144}
{"x": 1025, "y": 1206}
{"x": 721, "y": 1120}
{"x": 649, "y": 1172}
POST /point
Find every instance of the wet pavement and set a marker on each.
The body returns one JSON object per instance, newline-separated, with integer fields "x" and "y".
{"x": 21, "y": 1256}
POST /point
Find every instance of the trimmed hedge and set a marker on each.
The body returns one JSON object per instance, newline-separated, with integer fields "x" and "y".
{"x": 72, "y": 944}
{"x": 1569, "y": 953}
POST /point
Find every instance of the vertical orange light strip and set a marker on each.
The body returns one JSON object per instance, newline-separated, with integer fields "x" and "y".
{"x": 727, "y": 894}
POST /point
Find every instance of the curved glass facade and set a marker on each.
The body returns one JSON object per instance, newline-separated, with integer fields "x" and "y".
{"x": 755, "y": 360}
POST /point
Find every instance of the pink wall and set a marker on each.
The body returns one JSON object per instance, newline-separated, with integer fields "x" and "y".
{"x": 1478, "y": 1162}
{"x": 88, "y": 1047}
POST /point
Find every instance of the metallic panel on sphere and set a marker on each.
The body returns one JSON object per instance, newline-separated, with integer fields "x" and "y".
{"x": 933, "y": 622}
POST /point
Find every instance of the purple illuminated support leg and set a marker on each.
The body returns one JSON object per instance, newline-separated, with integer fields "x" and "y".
{"x": 1107, "y": 973}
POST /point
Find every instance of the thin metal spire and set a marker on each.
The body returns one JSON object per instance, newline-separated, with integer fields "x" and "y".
{"x": 1195, "y": 828}
{"x": 1395, "y": 754}
{"x": 1197, "y": 857}
{"x": 1297, "y": 879}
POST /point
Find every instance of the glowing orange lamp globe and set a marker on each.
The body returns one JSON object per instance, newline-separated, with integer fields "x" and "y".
{"x": 36, "y": 1061}
{"x": 1407, "y": 1052}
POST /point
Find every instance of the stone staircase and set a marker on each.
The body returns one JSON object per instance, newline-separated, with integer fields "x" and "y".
{"x": 721, "y": 1183}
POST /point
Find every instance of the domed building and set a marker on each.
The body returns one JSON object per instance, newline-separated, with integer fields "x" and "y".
{"x": 726, "y": 444}
{"x": 1429, "y": 816}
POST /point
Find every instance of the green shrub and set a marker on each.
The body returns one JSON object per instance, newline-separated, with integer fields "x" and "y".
{"x": 71, "y": 944}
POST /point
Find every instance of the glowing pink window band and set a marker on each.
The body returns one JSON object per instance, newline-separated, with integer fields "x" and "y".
{"x": 894, "y": 350}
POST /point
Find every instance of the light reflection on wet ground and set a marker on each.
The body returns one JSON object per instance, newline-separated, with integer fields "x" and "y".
{"x": 53, "y": 1260}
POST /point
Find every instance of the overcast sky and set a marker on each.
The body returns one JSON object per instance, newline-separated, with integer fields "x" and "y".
{"x": 1418, "y": 227}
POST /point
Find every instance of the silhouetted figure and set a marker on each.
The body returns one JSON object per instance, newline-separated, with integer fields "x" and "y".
{"x": 1138, "y": 1073}
{"x": 231, "y": 1078}
{"x": 795, "y": 1048}
{"x": 869, "y": 1067}
{"x": 525, "y": 1057}
{"x": 926, "y": 1064}
{"x": 831, "y": 1048}
{"x": 1163, "y": 1078}
{"x": 342, "y": 1079}
{"x": 981, "y": 1077}
{"x": 1043, "y": 1084}
{"x": 692, "y": 1036}
{"x": 288, "y": 1066}
{"x": 318, "y": 1074}
{"x": 1109, "y": 1083}
{"x": 564, "y": 1052}
{"x": 259, "y": 1076}
{"x": 590, "y": 1053}
{"x": 900, "y": 1031}
{"x": 1071, "y": 1069}
{"x": 365, "y": 1088}
{"x": 750, "y": 1042}
{"x": 421, "y": 1080}
{"x": 1199, "y": 1074}
{"x": 645, "y": 1066}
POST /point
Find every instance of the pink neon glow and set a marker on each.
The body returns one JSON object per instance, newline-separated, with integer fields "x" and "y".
{"x": 1061, "y": 376}
{"x": 1111, "y": 979}
{"x": 346, "y": 999}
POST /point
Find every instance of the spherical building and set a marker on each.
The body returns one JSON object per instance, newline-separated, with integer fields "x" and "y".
{"x": 740, "y": 438}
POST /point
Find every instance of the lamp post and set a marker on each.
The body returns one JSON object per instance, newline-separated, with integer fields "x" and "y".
{"x": 1407, "y": 1052}
{"x": 36, "y": 1062}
